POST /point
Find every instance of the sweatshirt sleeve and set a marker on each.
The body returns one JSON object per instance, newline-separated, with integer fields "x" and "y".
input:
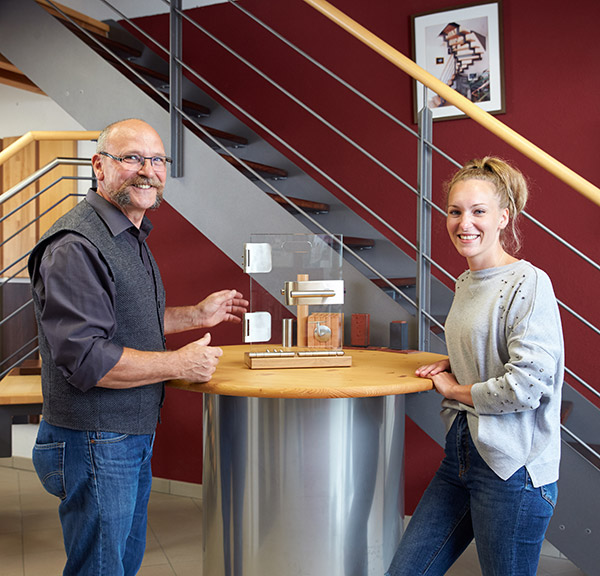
{"x": 534, "y": 341}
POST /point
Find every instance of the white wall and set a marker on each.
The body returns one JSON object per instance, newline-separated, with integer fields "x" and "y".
{"x": 22, "y": 111}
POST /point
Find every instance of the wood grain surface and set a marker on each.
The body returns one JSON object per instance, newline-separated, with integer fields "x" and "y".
{"x": 373, "y": 373}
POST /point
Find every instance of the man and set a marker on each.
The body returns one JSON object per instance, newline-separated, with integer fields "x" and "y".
{"x": 100, "y": 307}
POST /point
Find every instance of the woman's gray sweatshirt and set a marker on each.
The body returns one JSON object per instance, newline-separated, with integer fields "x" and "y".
{"x": 504, "y": 336}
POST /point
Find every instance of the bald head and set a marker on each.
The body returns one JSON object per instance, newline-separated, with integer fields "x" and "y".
{"x": 126, "y": 129}
{"x": 133, "y": 187}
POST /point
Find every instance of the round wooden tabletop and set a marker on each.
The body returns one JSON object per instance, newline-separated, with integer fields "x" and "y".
{"x": 374, "y": 372}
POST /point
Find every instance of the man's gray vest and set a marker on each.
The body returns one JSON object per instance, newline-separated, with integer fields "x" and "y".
{"x": 139, "y": 310}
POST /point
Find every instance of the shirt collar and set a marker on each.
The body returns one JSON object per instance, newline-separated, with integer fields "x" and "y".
{"x": 114, "y": 219}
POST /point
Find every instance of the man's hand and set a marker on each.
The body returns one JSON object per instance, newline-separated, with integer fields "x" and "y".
{"x": 196, "y": 362}
{"x": 222, "y": 306}
{"x": 199, "y": 360}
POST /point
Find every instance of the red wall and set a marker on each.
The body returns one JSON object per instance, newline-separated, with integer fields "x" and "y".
{"x": 191, "y": 267}
{"x": 550, "y": 85}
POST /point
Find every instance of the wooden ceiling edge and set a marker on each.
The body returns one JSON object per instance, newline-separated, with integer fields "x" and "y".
{"x": 7, "y": 65}
{"x": 84, "y": 21}
{"x": 10, "y": 75}
{"x": 18, "y": 80}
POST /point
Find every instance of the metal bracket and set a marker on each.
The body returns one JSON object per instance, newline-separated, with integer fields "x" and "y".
{"x": 257, "y": 258}
{"x": 257, "y": 327}
{"x": 314, "y": 292}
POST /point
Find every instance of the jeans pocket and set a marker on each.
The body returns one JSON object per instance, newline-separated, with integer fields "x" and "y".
{"x": 107, "y": 437}
{"x": 49, "y": 463}
{"x": 550, "y": 493}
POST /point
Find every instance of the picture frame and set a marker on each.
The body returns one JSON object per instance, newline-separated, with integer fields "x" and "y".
{"x": 463, "y": 48}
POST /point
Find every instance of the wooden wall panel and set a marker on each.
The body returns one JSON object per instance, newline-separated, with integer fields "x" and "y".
{"x": 19, "y": 167}
{"x": 14, "y": 171}
{"x": 1, "y": 190}
{"x": 63, "y": 189}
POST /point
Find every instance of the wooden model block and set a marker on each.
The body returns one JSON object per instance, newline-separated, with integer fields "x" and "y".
{"x": 360, "y": 333}
{"x": 325, "y": 330}
{"x": 301, "y": 315}
{"x": 398, "y": 335}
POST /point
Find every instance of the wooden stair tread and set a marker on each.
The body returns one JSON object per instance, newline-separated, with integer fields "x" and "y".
{"x": 307, "y": 205}
{"x": 399, "y": 282}
{"x": 200, "y": 108}
{"x": 143, "y": 71}
{"x": 566, "y": 407}
{"x": 257, "y": 166}
{"x": 220, "y": 134}
{"x": 29, "y": 367}
{"x": 360, "y": 243}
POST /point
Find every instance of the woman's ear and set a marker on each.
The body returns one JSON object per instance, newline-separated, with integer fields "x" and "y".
{"x": 504, "y": 218}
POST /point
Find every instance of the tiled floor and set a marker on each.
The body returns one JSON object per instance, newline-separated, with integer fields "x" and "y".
{"x": 31, "y": 542}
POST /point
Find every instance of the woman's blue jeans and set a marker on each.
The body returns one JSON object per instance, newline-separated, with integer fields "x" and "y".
{"x": 467, "y": 500}
{"x": 103, "y": 480}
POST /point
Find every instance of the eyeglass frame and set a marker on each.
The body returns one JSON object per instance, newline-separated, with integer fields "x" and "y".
{"x": 121, "y": 159}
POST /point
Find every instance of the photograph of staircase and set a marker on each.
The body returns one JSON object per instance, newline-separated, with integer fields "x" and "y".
{"x": 463, "y": 49}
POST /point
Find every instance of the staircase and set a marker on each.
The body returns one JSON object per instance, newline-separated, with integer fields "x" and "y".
{"x": 221, "y": 182}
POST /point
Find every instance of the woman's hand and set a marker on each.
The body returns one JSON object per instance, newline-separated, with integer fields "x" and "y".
{"x": 430, "y": 370}
{"x": 444, "y": 381}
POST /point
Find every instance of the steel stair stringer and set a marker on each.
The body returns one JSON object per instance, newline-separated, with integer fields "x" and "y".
{"x": 95, "y": 94}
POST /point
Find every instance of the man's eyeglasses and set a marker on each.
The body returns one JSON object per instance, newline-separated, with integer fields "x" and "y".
{"x": 137, "y": 162}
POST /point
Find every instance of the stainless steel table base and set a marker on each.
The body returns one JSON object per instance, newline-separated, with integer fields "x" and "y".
{"x": 302, "y": 487}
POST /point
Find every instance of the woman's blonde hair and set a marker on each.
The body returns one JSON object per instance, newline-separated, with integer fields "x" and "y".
{"x": 511, "y": 191}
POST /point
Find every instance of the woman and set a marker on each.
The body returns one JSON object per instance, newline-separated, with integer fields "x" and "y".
{"x": 502, "y": 393}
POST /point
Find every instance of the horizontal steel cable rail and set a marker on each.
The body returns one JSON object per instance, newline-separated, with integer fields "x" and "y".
{"x": 390, "y": 116}
{"x": 294, "y": 99}
{"x": 480, "y": 116}
{"x": 7, "y": 196}
{"x": 578, "y": 440}
{"x": 23, "y": 358}
{"x": 308, "y": 162}
{"x": 249, "y": 168}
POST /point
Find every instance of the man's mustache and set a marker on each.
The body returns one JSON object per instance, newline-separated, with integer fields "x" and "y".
{"x": 143, "y": 181}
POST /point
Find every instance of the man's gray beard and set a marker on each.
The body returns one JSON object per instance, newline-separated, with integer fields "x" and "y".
{"x": 123, "y": 198}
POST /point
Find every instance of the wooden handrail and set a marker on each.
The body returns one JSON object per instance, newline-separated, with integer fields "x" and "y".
{"x": 488, "y": 121}
{"x": 33, "y": 136}
{"x": 84, "y": 21}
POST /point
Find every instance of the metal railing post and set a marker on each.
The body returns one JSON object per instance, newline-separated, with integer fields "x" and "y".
{"x": 175, "y": 89}
{"x": 424, "y": 229}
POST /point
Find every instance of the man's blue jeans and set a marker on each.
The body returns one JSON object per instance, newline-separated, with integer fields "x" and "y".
{"x": 467, "y": 500}
{"x": 103, "y": 480}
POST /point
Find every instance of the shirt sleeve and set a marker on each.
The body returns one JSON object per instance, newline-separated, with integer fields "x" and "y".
{"x": 77, "y": 296}
{"x": 534, "y": 342}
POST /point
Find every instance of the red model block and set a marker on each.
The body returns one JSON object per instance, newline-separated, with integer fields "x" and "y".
{"x": 360, "y": 332}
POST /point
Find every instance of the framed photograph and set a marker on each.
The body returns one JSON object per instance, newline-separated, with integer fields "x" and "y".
{"x": 462, "y": 47}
